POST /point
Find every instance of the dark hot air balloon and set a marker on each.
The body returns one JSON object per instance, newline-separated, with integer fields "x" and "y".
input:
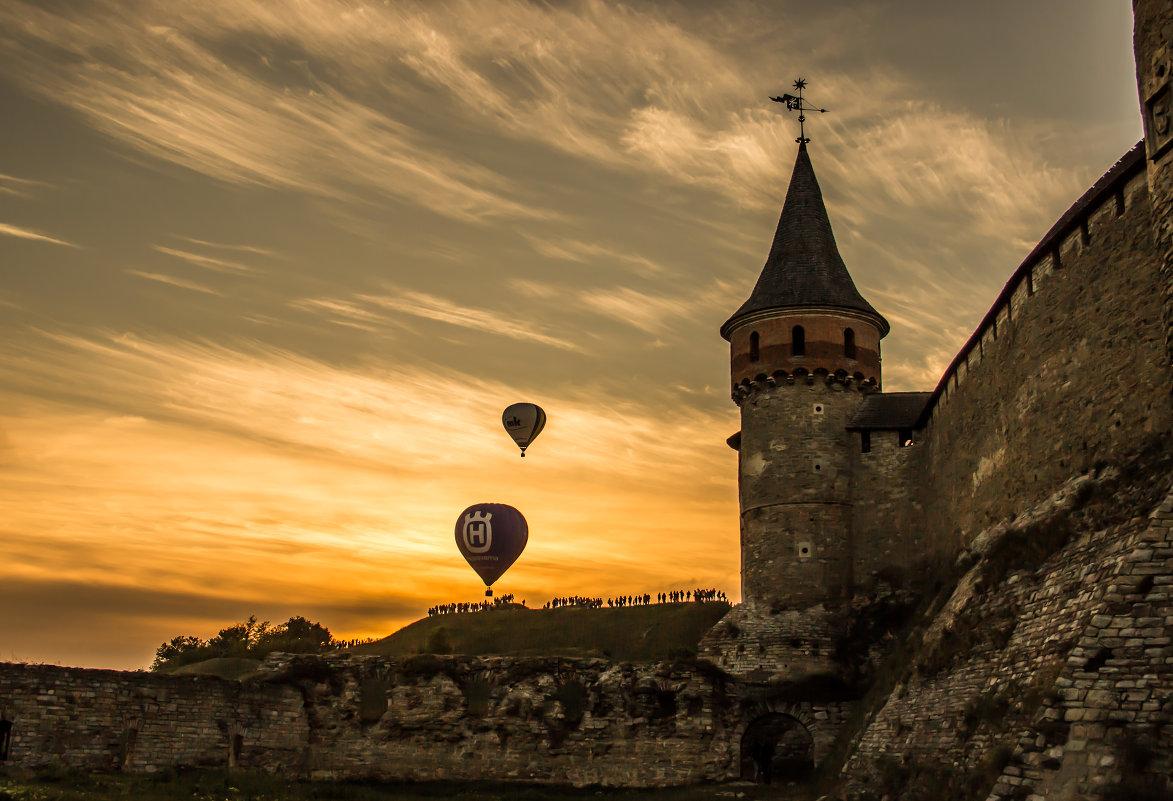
{"x": 491, "y": 536}
{"x": 524, "y": 421}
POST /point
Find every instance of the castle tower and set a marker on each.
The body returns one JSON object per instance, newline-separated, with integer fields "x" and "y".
{"x": 1152, "y": 23}
{"x": 804, "y": 348}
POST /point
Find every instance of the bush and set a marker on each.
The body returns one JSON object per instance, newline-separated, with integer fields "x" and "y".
{"x": 250, "y": 640}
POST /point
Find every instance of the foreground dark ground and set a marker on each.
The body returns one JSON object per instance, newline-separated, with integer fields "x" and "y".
{"x": 245, "y": 786}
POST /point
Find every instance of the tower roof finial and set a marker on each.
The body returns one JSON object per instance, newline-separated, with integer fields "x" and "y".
{"x": 797, "y": 103}
{"x": 804, "y": 269}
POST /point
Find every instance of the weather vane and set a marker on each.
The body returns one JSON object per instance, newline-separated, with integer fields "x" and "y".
{"x": 792, "y": 103}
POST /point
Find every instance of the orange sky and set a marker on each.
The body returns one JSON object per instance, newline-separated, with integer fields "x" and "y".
{"x": 269, "y": 272}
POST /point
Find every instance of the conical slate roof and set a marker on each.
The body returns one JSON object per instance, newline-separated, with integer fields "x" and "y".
{"x": 804, "y": 268}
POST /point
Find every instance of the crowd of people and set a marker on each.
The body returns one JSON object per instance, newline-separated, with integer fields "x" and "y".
{"x": 499, "y": 602}
{"x": 670, "y": 597}
{"x": 353, "y": 643}
{"x": 575, "y": 600}
{"x": 646, "y": 599}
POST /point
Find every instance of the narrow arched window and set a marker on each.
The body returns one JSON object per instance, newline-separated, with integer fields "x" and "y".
{"x": 849, "y": 343}
{"x": 754, "y": 347}
{"x": 797, "y": 341}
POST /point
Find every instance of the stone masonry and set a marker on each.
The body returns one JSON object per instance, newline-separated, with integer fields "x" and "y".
{"x": 562, "y": 721}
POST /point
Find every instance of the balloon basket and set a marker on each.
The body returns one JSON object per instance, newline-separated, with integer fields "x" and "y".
{"x": 489, "y": 593}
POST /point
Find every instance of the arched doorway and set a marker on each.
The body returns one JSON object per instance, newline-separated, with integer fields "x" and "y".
{"x": 776, "y": 748}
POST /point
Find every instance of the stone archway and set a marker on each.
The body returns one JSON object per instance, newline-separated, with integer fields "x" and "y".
{"x": 782, "y": 747}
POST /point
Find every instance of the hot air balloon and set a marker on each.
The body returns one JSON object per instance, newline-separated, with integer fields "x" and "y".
{"x": 491, "y": 536}
{"x": 524, "y": 421}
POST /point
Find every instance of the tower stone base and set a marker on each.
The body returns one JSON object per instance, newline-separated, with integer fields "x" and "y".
{"x": 756, "y": 643}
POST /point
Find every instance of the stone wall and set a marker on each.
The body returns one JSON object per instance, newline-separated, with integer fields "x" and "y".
{"x": 796, "y": 466}
{"x": 1108, "y": 724}
{"x": 1066, "y": 371}
{"x": 756, "y": 643}
{"x": 1152, "y": 34}
{"x": 345, "y": 716}
{"x": 105, "y": 720}
{"x": 560, "y": 721}
{"x": 888, "y": 517}
{"x": 1043, "y": 669}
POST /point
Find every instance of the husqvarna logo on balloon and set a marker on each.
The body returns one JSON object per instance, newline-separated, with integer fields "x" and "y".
{"x": 478, "y": 532}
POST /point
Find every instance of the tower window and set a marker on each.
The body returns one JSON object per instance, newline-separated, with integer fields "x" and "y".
{"x": 865, "y": 442}
{"x": 797, "y": 341}
{"x": 849, "y": 343}
{"x": 754, "y": 347}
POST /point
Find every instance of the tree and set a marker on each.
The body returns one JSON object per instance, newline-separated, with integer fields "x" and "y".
{"x": 249, "y": 639}
{"x": 182, "y": 650}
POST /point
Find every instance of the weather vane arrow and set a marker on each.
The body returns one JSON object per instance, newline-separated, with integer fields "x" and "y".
{"x": 797, "y": 103}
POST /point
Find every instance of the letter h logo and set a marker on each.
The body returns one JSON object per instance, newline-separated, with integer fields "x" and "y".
{"x": 478, "y": 532}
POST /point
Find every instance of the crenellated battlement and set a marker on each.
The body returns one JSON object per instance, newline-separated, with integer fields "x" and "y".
{"x": 838, "y": 381}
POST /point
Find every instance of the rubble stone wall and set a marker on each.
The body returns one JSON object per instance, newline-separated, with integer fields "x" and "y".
{"x": 1043, "y": 681}
{"x": 344, "y": 716}
{"x": 106, "y": 720}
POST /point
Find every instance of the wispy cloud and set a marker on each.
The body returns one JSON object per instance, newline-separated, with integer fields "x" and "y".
{"x": 28, "y": 233}
{"x": 583, "y": 252}
{"x": 371, "y": 310}
{"x": 207, "y": 262}
{"x": 173, "y": 281}
{"x": 19, "y": 187}
{"x": 170, "y": 87}
{"x": 651, "y": 312}
{"x": 222, "y": 246}
{"x": 342, "y": 312}
{"x": 628, "y": 88}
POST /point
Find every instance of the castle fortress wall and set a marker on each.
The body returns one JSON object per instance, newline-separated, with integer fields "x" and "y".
{"x": 888, "y": 525}
{"x": 144, "y": 722}
{"x": 348, "y": 716}
{"x": 1066, "y": 370}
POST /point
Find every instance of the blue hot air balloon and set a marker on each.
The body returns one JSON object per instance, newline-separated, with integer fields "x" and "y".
{"x": 523, "y": 422}
{"x": 491, "y": 536}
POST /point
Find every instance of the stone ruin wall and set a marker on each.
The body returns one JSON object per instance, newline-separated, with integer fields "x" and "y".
{"x": 1066, "y": 372}
{"x": 1047, "y": 681}
{"x": 144, "y": 722}
{"x": 561, "y": 721}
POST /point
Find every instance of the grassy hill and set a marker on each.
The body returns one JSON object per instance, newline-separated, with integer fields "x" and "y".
{"x": 632, "y": 634}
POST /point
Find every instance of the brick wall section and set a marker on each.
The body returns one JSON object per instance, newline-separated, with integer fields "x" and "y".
{"x": 1108, "y": 722}
{"x": 105, "y": 720}
{"x": 823, "y": 336}
{"x": 1068, "y": 375}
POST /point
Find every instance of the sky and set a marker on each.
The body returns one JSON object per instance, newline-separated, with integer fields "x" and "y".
{"x": 270, "y": 271}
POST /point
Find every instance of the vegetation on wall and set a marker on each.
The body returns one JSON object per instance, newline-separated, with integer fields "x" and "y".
{"x": 247, "y": 640}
